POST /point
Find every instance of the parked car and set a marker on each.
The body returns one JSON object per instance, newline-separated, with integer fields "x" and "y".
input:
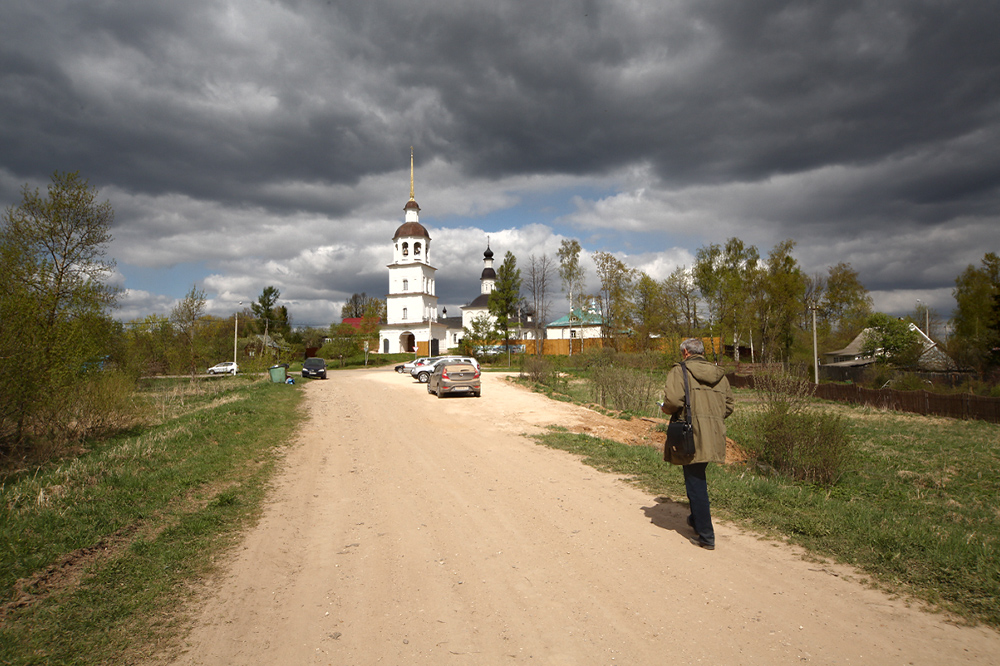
{"x": 404, "y": 368}
{"x": 455, "y": 378}
{"x": 423, "y": 364}
{"x": 314, "y": 367}
{"x": 225, "y": 368}
{"x": 422, "y": 372}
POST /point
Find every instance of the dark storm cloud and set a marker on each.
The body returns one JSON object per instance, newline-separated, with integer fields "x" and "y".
{"x": 276, "y": 133}
{"x": 329, "y": 91}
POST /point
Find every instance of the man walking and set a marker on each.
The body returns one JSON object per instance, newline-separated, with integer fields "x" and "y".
{"x": 711, "y": 402}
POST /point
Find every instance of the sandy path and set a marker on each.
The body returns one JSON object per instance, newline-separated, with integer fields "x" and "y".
{"x": 410, "y": 530}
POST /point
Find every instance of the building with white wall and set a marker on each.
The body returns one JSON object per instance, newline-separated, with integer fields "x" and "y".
{"x": 411, "y": 304}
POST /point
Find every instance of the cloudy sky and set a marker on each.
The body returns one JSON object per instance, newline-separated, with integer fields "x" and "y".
{"x": 251, "y": 143}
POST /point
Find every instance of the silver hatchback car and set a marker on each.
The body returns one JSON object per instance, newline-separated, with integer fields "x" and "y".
{"x": 455, "y": 378}
{"x": 423, "y": 372}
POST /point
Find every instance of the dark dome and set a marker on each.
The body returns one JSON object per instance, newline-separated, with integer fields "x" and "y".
{"x": 411, "y": 229}
{"x": 488, "y": 274}
{"x": 489, "y": 253}
{"x": 411, "y": 205}
{"x": 481, "y": 301}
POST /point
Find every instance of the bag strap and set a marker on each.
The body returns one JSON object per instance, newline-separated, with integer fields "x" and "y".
{"x": 687, "y": 395}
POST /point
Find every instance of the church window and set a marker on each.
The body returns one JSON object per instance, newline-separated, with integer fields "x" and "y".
{"x": 404, "y": 314}
{"x": 416, "y": 249}
{"x": 406, "y": 249}
{"x": 406, "y": 285}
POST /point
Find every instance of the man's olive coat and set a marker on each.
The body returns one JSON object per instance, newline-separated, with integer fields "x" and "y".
{"x": 711, "y": 402}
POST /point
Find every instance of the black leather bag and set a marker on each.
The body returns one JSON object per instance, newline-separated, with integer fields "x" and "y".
{"x": 679, "y": 448}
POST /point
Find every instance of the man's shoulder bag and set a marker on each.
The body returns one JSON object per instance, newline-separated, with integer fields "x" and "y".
{"x": 679, "y": 447}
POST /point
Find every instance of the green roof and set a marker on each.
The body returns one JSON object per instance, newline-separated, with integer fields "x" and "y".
{"x": 580, "y": 318}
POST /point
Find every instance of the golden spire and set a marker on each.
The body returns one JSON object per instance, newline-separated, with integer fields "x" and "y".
{"x": 411, "y": 173}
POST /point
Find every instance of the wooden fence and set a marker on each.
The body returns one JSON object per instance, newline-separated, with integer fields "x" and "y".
{"x": 954, "y": 405}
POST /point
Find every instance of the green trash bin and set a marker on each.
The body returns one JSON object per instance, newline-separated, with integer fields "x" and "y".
{"x": 277, "y": 374}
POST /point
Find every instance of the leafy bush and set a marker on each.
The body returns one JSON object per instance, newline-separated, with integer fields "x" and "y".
{"x": 794, "y": 439}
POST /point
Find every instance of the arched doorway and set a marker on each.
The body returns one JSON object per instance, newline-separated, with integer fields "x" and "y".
{"x": 407, "y": 342}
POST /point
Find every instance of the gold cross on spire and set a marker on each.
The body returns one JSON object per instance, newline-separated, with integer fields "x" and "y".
{"x": 411, "y": 173}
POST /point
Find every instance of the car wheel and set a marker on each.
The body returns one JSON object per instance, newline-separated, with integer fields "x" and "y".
{"x": 422, "y": 377}
{"x": 429, "y": 388}
{"x": 440, "y": 393}
{"x": 479, "y": 394}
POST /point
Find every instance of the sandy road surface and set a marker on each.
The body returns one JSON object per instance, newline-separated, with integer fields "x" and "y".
{"x": 410, "y": 530}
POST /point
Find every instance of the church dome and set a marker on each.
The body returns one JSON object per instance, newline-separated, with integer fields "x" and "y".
{"x": 411, "y": 230}
{"x": 489, "y": 253}
{"x": 488, "y": 274}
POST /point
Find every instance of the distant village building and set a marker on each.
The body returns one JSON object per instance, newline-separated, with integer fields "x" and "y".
{"x": 932, "y": 359}
{"x": 579, "y": 323}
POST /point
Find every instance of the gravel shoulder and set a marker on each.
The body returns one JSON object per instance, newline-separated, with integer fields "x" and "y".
{"x": 405, "y": 529}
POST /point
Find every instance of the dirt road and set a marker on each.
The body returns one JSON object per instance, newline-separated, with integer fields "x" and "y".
{"x": 410, "y": 530}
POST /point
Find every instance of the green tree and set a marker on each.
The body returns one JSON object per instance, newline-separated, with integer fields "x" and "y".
{"x": 480, "y": 335}
{"x": 571, "y": 272}
{"x": 184, "y": 316}
{"x": 148, "y": 343}
{"x": 344, "y": 342}
{"x": 505, "y": 299}
{"x": 845, "y": 304}
{"x": 652, "y": 310}
{"x": 976, "y": 320}
{"x": 54, "y": 305}
{"x": 272, "y": 320}
{"x": 891, "y": 340}
{"x": 725, "y": 276}
{"x": 615, "y": 298}
{"x": 778, "y": 301}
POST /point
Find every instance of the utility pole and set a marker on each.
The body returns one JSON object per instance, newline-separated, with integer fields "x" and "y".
{"x": 236, "y": 334}
{"x": 812, "y": 307}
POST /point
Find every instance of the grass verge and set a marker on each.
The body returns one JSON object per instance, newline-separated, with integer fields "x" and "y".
{"x": 919, "y": 513}
{"x": 102, "y": 549}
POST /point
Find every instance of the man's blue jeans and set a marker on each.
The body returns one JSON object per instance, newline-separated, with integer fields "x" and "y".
{"x": 697, "y": 491}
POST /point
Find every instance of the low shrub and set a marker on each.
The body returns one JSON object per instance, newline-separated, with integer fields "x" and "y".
{"x": 790, "y": 436}
{"x": 538, "y": 369}
{"x": 624, "y": 388}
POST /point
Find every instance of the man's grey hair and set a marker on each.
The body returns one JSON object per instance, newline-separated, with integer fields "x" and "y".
{"x": 694, "y": 346}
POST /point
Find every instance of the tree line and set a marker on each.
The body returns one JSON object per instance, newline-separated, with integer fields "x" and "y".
{"x": 764, "y": 306}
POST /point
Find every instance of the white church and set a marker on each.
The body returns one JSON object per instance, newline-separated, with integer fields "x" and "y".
{"x": 411, "y": 304}
{"x": 412, "y": 321}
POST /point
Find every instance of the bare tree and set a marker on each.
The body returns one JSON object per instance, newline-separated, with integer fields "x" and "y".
{"x": 683, "y": 294}
{"x": 185, "y": 316}
{"x": 572, "y": 276}
{"x": 541, "y": 271}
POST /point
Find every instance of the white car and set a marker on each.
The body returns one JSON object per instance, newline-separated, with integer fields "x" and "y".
{"x": 423, "y": 372}
{"x": 226, "y": 368}
{"x": 404, "y": 368}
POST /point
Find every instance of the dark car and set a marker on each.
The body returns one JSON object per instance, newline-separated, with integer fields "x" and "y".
{"x": 314, "y": 367}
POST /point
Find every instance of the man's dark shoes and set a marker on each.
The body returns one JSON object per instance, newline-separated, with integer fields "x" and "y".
{"x": 704, "y": 544}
